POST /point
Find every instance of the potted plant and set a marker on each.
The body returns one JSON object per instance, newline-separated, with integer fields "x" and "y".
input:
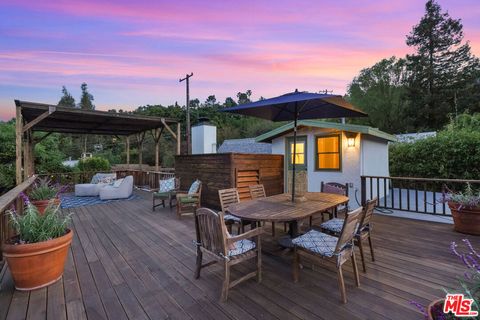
{"x": 43, "y": 193}
{"x": 465, "y": 208}
{"x": 469, "y": 284}
{"x": 36, "y": 255}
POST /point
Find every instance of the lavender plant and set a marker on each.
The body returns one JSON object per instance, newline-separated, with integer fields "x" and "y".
{"x": 32, "y": 227}
{"x": 469, "y": 284}
{"x": 465, "y": 199}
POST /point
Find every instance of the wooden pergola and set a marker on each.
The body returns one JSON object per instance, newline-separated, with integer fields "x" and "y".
{"x": 32, "y": 116}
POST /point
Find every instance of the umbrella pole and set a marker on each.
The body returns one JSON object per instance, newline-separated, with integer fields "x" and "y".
{"x": 294, "y": 152}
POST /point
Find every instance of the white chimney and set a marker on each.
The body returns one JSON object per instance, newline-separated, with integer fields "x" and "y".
{"x": 204, "y": 137}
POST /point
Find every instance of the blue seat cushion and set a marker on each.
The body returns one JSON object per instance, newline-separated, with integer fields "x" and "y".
{"x": 317, "y": 242}
{"x": 229, "y": 217}
{"x": 333, "y": 225}
{"x": 241, "y": 247}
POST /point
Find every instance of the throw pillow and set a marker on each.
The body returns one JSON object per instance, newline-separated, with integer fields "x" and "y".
{"x": 194, "y": 187}
{"x": 167, "y": 185}
{"x": 117, "y": 183}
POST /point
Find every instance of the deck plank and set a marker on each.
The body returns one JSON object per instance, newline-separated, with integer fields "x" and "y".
{"x": 127, "y": 262}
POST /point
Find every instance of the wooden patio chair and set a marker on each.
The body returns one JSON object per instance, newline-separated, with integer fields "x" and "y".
{"x": 316, "y": 245}
{"x": 257, "y": 191}
{"x": 188, "y": 202}
{"x": 213, "y": 239}
{"x": 227, "y": 198}
{"x": 337, "y": 188}
{"x": 334, "y": 226}
{"x": 165, "y": 195}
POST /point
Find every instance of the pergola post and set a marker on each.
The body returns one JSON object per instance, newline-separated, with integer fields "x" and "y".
{"x": 157, "y": 133}
{"x": 140, "y": 138}
{"x": 18, "y": 143}
{"x": 178, "y": 139}
{"x": 128, "y": 150}
{"x": 29, "y": 156}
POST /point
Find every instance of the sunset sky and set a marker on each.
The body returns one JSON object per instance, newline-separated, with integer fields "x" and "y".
{"x": 132, "y": 53}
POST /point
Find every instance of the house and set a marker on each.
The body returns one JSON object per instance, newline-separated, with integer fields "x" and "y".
{"x": 248, "y": 145}
{"x": 332, "y": 152}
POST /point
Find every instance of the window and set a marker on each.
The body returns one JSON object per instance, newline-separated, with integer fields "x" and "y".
{"x": 328, "y": 153}
{"x": 300, "y": 153}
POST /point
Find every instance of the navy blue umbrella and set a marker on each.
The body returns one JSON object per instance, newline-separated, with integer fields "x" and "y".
{"x": 298, "y": 106}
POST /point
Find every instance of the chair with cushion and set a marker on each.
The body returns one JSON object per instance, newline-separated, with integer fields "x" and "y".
{"x": 188, "y": 202}
{"x": 92, "y": 189}
{"x": 214, "y": 240}
{"x": 334, "y": 226}
{"x": 227, "y": 198}
{"x": 336, "y": 188}
{"x": 316, "y": 245}
{"x": 167, "y": 191}
{"x": 121, "y": 189}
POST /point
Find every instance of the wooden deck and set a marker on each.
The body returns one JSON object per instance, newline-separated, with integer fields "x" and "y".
{"x": 129, "y": 263}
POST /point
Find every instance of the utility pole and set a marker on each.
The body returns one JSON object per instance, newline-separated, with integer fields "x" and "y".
{"x": 187, "y": 77}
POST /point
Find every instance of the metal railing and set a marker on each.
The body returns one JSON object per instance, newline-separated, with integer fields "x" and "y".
{"x": 10, "y": 200}
{"x": 421, "y": 195}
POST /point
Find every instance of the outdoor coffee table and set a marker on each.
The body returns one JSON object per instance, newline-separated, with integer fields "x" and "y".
{"x": 279, "y": 208}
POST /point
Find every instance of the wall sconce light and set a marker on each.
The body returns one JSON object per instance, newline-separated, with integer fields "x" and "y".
{"x": 351, "y": 137}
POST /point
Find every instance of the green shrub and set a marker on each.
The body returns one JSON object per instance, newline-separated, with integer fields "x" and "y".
{"x": 94, "y": 164}
{"x": 452, "y": 154}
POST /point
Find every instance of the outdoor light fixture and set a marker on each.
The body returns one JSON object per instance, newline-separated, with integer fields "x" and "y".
{"x": 351, "y": 136}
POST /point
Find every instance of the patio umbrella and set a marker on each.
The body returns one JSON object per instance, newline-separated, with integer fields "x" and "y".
{"x": 298, "y": 106}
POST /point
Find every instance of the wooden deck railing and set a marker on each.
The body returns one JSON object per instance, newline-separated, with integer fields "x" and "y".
{"x": 146, "y": 179}
{"x": 7, "y": 201}
{"x": 422, "y": 195}
{"x": 141, "y": 178}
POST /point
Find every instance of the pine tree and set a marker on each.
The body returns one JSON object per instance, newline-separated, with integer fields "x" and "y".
{"x": 442, "y": 68}
{"x": 67, "y": 100}
{"x": 86, "y": 99}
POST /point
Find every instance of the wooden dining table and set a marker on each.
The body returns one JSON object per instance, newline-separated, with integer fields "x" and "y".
{"x": 280, "y": 208}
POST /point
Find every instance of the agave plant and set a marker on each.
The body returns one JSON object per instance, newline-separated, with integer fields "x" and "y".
{"x": 32, "y": 227}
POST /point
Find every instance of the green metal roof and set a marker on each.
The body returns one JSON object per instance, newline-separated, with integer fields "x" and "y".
{"x": 269, "y": 136}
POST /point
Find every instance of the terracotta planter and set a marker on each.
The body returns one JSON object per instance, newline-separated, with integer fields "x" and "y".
{"x": 434, "y": 308}
{"x": 43, "y": 204}
{"x": 466, "y": 220}
{"x": 36, "y": 265}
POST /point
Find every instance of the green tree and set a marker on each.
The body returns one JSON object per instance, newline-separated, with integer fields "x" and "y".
{"x": 86, "y": 98}
{"x": 244, "y": 97}
{"x": 380, "y": 91}
{"x": 67, "y": 100}
{"x": 443, "y": 68}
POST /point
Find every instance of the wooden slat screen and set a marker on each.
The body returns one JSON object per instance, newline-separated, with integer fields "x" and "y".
{"x": 245, "y": 178}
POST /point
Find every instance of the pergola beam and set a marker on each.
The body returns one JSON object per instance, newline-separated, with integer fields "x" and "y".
{"x": 37, "y": 120}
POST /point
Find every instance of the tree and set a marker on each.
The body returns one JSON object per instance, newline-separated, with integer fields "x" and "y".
{"x": 244, "y": 97}
{"x": 67, "y": 100}
{"x": 211, "y": 101}
{"x": 380, "y": 91}
{"x": 442, "y": 69}
{"x": 229, "y": 102}
{"x": 86, "y": 99}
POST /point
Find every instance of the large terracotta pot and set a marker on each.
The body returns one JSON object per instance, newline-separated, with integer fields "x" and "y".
{"x": 36, "y": 265}
{"x": 43, "y": 204}
{"x": 466, "y": 220}
{"x": 435, "y": 309}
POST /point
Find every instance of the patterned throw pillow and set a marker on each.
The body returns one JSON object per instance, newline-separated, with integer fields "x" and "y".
{"x": 194, "y": 187}
{"x": 107, "y": 180}
{"x": 167, "y": 185}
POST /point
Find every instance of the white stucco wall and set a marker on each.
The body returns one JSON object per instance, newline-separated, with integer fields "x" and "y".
{"x": 375, "y": 163}
{"x": 373, "y": 160}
